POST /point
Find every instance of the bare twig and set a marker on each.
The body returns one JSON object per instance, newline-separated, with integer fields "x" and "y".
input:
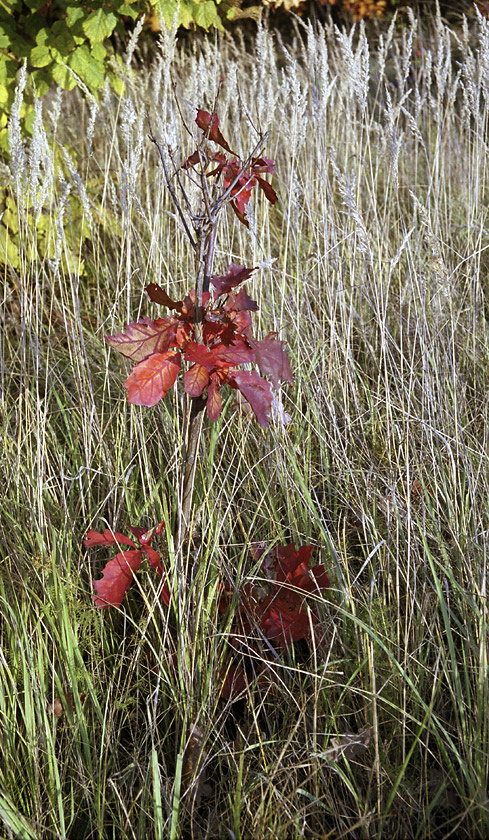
{"x": 170, "y": 185}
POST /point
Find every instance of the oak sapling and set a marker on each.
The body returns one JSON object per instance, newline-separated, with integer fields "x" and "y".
{"x": 207, "y": 338}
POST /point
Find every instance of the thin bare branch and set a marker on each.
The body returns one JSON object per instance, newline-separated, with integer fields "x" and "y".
{"x": 170, "y": 185}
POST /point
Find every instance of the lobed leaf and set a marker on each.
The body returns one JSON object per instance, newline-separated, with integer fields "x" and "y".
{"x": 235, "y": 275}
{"x": 158, "y": 295}
{"x": 258, "y": 393}
{"x": 144, "y": 337}
{"x": 240, "y": 301}
{"x": 107, "y": 538}
{"x": 272, "y": 359}
{"x": 152, "y": 378}
{"x": 195, "y": 380}
{"x": 117, "y": 576}
{"x": 214, "y": 401}
{"x": 207, "y": 121}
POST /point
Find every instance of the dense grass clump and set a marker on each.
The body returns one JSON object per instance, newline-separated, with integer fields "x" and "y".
{"x": 373, "y": 266}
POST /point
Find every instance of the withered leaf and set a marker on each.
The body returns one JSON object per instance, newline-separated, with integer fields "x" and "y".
{"x": 349, "y": 745}
{"x": 56, "y": 708}
{"x": 193, "y": 767}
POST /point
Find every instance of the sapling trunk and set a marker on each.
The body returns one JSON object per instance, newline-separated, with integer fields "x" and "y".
{"x": 196, "y": 408}
{"x": 202, "y": 240}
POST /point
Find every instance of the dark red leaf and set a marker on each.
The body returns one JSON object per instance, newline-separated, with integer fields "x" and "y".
{"x": 241, "y": 216}
{"x": 235, "y": 275}
{"x": 284, "y": 623}
{"x": 144, "y": 337}
{"x": 195, "y": 380}
{"x": 146, "y": 537}
{"x": 192, "y": 160}
{"x": 151, "y": 379}
{"x": 117, "y": 576}
{"x": 207, "y": 121}
{"x": 242, "y": 321}
{"x": 240, "y": 301}
{"x": 107, "y": 538}
{"x": 272, "y": 359}
{"x": 258, "y": 393}
{"x": 267, "y": 188}
{"x": 200, "y": 354}
{"x": 214, "y": 402}
{"x": 236, "y": 354}
{"x": 262, "y": 165}
{"x": 158, "y": 295}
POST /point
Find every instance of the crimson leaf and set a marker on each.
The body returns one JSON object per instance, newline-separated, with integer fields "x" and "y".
{"x": 195, "y": 380}
{"x": 258, "y": 393}
{"x": 158, "y": 295}
{"x": 272, "y": 359}
{"x": 235, "y": 275}
{"x": 206, "y": 121}
{"x": 267, "y": 189}
{"x": 152, "y": 378}
{"x": 117, "y": 576}
{"x": 240, "y": 301}
{"x": 107, "y": 538}
{"x": 144, "y": 337}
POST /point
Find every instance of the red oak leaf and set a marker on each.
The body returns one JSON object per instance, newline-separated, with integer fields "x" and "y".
{"x": 200, "y": 354}
{"x": 107, "y": 538}
{"x": 263, "y": 165}
{"x": 267, "y": 188}
{"x": 116, "y": 577}
{"x": 195, "y": 380}
{"x": 285, "y": 559}
{"x": 272, "y": 359}
{"x": 240, "y": 214}
{"x": 144, "y": 536}
{"x": 223, "y": 329}
{"x": 214, "y": 402}
{"x": 242, "y": 321}
{"x": 235, "y": 275}
{"x": 240, "y": 301}
{"x": 206, "y": 157}
{"x": 237, "y": 353}
{"x": 144, "y": 337}
{"x": 151, "y": 379}
{"x": 158, "y": 295}
{"x": 283, "y": 622}
{"x": 210, "y": 122}
{"x": 258, "y": 393}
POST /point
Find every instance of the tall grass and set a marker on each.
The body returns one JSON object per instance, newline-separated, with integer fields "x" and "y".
{"x": 373, "y": 266}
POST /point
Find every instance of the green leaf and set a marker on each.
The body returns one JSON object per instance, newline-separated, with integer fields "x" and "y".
{"x": 40, "y": 56}
{"x": 205, "y": 14}
{"x": 87, "y": 67}
{"x": 7, "y": 35}
{"x": 73, "y": 15}
{"x": 63, "y": 77}
{"x": 42, "y": 80}
{"x": 99, "y": 52}
{"x": 99, "y": 25}
{"x": 116, "y": 83}
{"x": 61, "y": 38}
{"x": 8, "y": 249}
{"x": 35, "y": 5}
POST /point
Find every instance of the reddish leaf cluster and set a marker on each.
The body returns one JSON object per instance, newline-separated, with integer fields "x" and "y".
{"x": 158, "y": 347}
{"x": 118, "y": 573}
{"x": 276, "y": 606}
{"x": 240, "y": 177}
